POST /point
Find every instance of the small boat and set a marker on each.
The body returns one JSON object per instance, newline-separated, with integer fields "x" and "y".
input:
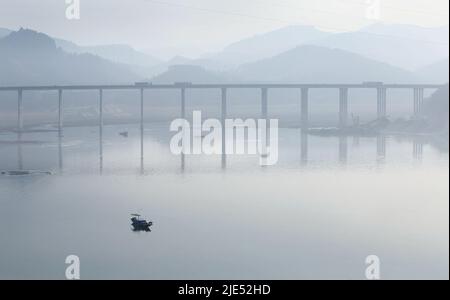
{"x": 140, "y": 224}
{"x": 24, "y": 173}
{"x": 124, "y": 134}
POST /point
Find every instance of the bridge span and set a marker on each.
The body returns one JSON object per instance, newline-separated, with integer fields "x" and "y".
{"x": 381, "y": 88}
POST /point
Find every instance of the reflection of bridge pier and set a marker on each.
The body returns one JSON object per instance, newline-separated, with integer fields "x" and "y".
{"x": 183, "y": 161}
{"x": 343, "y": 153}
{"x": 60, "y": 154}
{"x": 417, "y": 149}
{"x": 304, "y": 147}
{"x": 183, "y": 116}
{"x": 223, "y": 116}
{"x": 142, "y": 130}
{"x": 100, "y": 127}
{"x": 343, "y": 149}
{"x": 343, "y": 107}
{"x": 381, "y": 148}
{"x": 19, "y": 151}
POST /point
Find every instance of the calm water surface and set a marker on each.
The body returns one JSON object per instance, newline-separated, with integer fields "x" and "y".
{"x": 318, "y": 213}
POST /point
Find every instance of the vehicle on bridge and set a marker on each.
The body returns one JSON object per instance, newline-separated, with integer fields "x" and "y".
{"x": 143, "y": 83}
{"x": 183, "y": 83}
{"x": 373, "y": 83}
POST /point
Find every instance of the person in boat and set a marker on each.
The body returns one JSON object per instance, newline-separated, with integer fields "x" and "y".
{"x": 140, "y": 225}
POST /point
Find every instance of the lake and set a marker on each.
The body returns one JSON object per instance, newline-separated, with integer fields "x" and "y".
{"x": 317, "y": 214}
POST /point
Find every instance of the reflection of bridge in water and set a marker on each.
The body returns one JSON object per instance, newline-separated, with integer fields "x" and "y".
{"x": 382, "y": 89}
{"x": 342, "y": 146}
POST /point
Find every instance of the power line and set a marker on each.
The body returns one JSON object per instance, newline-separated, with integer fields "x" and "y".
{"x": 289, "y": 22}
{"x": 360, "y": 4}
{"x": 218, "y": 11}
{"x": 412, "y": 11}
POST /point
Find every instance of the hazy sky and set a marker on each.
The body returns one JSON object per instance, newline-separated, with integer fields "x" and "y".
{"x": 191, "y": 27}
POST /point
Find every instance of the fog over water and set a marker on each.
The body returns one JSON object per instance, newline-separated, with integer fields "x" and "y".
{"x": 317, "y": 216}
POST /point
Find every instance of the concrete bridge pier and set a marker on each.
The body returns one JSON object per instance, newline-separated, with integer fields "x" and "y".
{"x": 418, "y": 101}
{"x": 223, "y": 117}
{"x": 183, "y": 103}
{"x": 60, "y": 117}
{"x": 381, "y": 102}
{"x": 19, "y": 110}
{"x": 264, "y": 103}
{"x": 343, "y": 107}
{"x": 304, "y": 120}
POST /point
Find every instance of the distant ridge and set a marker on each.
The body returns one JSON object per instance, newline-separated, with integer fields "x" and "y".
{"x": 30, "y": 57}
{"x": 118, "y": 53}
{"x": 405, "y": 46}
{"x": 437, "y": 72}
{"x": 313, "y": 64}
{"x": 4, "y": 32}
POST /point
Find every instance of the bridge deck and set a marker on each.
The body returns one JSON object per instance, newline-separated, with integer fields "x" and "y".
{"x": 219, "y": 86}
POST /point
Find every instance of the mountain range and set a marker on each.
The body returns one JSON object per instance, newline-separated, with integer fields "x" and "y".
{"x": 294, "y": 53}
{"x": 405, "y": 46}
{"x": 4, "y": 32}
{"x": 31, "y": 58}
{"x": 119, "y": 53}
{"x": 311, "y": 64}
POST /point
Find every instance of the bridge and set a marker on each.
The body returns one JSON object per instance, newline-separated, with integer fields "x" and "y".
{"x": 381, "y": 88}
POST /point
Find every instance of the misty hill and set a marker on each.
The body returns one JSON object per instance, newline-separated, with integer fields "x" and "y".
{"x": 435, "y": 73}
{"x": 405, "y": 46}
{"x": 190, "y": 73}
{"x": 29, "y": 57}
{"x": 266, "y": 45}
{"x": 179, "y": 61}
{"x": 117, "y": 53}
{"x": 140, "y": 63}
{"x": 313, "y": 64}
{"x": 436, "y": 109}
{"x": 4, "y": 32}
